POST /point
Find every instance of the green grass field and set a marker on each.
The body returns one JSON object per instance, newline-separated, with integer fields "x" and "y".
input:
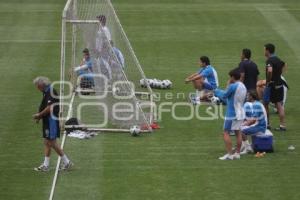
{"x": 180, "y": 160}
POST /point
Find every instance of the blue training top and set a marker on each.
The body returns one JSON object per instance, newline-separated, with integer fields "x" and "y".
{"x": 259, "y": 113}
{"x": 236, "y": 95}
{"x": 248, "y": 108}
{"x": 89, "y": 63}
{"x": 210, "y": 74}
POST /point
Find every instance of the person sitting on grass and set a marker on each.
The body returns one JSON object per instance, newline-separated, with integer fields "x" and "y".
{"x": 256, "y": 123}
{"x": 234, "y": 117}
{"x": 206, "y": 80}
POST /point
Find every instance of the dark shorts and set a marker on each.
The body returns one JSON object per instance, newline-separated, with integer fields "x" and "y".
{"x": 277, "y": 94}
{"x": 51, "y": 129}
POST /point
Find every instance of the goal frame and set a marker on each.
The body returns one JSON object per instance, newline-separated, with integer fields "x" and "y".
{"x": 73, "y": 22}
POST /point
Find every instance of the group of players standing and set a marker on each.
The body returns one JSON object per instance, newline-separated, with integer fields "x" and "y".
{"x": 247, "y": 98}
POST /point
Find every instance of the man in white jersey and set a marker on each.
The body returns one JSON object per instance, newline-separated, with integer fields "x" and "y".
{"x": 102, "y": 20}
{"x": 103, "y": 37}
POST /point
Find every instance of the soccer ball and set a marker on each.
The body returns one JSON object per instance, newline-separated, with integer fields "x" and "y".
{"x": 135, "y": 131}
{"x": 150, "y": 82}
{"x": 164, "y": 84}
{"x": 142, "y": 83}
{"x": 115, "y": 90}
{"x": 159, "y": 84}
{"x": 215, "y": 100}
{"x": 168, "y": 83}
{"x": 155, "y": 83}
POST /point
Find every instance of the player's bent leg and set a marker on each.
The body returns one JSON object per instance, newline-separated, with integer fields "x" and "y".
{"x": 198, "y": 84}
{"x": 66, "y": 163}
{"x": 260, "y": 91}
{"x": 238, "y": 141}
{"x": 250, "y": 131}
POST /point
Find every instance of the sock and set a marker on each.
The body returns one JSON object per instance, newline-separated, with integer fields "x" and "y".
{"x": 47, "y": 161}
{"x": 247, "y": 143}
{"x": 197, "y": 93}
{"x": 65, "y": 159}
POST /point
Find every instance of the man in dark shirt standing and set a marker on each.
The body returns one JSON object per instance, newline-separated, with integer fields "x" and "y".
{"x": 48, "y": 112}
{"x": 274, "y": 90}
{"x": 249, "y": 70}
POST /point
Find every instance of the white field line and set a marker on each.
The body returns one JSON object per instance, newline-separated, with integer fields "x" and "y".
{"x": 30, "y": 41}
{"x": 285, "y": 24}
{"x": 62, "y": 146}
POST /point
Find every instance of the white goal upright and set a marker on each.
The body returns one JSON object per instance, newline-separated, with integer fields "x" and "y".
{"x": 104, "y": 94}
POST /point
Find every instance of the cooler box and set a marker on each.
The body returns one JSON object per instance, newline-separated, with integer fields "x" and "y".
{"x": 263, "y": 142}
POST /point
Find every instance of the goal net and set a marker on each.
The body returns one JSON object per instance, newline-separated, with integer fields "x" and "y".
{"x": 100, "y": 72}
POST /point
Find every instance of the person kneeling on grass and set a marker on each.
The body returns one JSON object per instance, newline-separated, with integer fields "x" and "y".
{"x": 206, "y": 80}
{"x": 234, "y": 117}
{"x": 257, "y": 124}
{"x": 48, "y": 113}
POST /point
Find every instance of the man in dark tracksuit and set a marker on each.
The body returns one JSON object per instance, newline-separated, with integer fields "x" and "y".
{"x": 48, "y": 112}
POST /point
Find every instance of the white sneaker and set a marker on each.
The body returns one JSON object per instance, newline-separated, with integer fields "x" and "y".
{"x": 226, "y": 157}
{"x": 247, "y": 150}
{"x": 243, "y": 147}
{"x": 195, "y": 100}
{"x": 42, "y": 168}
{"x": 236, "y": 156}
{"x": 66, "y": 167}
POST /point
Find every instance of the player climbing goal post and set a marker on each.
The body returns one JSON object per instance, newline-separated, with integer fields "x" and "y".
{"x": 100, "y": 72}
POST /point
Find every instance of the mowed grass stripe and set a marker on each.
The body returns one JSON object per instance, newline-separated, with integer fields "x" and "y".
{"x": 278, "y": 19}
{"x": 20, "y": 139}
{"x": 176, "y": 162}
{"x": 135, "y": 168}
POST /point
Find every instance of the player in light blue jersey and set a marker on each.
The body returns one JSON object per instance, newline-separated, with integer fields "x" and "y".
{"x": 248, "y": 108}
{"x": 118, "y": 54}
{"x": 256, "y": 124}
{"x": 206, "y": 79}
{"x": 85, "y": 70}
{"x": 235, "y": 115}
{"x": 86, "y": 65}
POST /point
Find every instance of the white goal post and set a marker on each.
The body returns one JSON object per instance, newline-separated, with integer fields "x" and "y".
{"x": 83, "y": 28}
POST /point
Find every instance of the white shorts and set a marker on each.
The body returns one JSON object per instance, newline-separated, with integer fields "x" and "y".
{"x": 232, "y": 125}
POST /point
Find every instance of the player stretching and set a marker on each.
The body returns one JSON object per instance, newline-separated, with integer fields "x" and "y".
{"x": 236, "y": 95}
{"x": 48, "y": 112}
{"x": 206, "y": 80}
